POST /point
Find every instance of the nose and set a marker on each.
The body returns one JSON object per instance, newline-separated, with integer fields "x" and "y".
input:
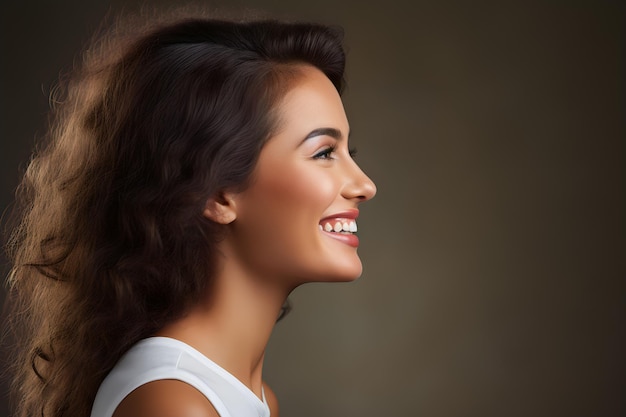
{"x": 358, "y": 185}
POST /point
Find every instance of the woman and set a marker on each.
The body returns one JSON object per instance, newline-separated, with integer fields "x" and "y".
{"x": 195, "y": 174}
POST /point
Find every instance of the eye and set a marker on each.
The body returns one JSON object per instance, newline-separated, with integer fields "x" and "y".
{"x": 325, "y": 153}
{"x": 352, "y": 153}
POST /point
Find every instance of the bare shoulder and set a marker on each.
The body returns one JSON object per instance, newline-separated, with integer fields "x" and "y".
{"x": 271, "y": 399}
{"x": 165, "y": 398}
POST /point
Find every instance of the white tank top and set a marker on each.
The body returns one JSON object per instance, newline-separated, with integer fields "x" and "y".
{"x": 158, "y": 358}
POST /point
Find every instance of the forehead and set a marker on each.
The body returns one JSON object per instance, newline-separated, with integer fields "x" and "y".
{"x": 311, "y": 102}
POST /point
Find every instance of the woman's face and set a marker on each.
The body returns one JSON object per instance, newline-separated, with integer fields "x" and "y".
{"x": 296, "y": 220}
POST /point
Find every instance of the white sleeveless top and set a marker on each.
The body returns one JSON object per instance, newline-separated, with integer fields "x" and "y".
{"x": 158, "y": 358}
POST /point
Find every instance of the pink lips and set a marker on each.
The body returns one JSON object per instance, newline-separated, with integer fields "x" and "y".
{"x": 348, "y": 239}
{"x": 351, "y": 214}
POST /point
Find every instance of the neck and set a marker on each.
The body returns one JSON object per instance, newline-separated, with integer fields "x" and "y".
{"x": 233, "y": 326}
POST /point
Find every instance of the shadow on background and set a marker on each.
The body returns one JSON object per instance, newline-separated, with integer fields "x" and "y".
{"x": 494, "y": 251}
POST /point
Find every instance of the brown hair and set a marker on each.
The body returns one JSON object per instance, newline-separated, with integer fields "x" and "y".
{"x": 112, "y": 244}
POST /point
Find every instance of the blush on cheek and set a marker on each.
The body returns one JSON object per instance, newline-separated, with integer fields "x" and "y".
{"x": 278, "y": 233}
{"x": 302, "y": 187}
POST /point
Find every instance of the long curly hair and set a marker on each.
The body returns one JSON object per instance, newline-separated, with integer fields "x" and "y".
{"x": 111, "y": 243}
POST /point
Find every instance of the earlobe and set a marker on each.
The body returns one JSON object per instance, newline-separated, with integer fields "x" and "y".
{"x": 221, "y": 209}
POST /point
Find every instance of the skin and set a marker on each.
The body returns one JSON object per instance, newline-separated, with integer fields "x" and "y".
{"x": 304, "y": 174}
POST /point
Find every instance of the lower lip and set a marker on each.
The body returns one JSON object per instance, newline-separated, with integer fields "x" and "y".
{"x": 348, "y": 239}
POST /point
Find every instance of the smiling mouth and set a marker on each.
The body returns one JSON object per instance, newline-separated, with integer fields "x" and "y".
{"x": 343, "y": 226}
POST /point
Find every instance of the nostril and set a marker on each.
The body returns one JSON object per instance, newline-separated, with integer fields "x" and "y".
{"x": 369, "y": 190}
{"x": 359, "y": 186}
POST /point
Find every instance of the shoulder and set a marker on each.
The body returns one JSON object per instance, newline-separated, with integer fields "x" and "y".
{"x": 166, "y": 398}
{"x": 271, "y": 399}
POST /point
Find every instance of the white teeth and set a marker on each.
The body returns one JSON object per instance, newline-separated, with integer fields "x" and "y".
{"x": 339, "y": 227}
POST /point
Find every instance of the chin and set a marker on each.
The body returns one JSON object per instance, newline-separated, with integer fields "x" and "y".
{"x": 347, "y": 278}
{"x": 345, "y": 273}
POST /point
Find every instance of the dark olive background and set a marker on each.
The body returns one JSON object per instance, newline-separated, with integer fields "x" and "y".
{"x": 494, "y": 252}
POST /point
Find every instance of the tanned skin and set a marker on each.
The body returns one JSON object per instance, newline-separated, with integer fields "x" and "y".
{"x": 172, "y": 398}
{"x": 274, "y": 242}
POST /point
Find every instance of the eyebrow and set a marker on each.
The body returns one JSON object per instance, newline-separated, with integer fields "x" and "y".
{"x": 325, "y": 131}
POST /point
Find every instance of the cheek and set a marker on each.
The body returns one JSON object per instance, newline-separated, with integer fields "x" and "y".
{"x": 295, "y": 194}
{"x": 277, "y": 226}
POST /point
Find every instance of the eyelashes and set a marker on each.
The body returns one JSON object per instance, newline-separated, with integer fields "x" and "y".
{"x": 327, "y": 153}
{"x": 324, "y": 153}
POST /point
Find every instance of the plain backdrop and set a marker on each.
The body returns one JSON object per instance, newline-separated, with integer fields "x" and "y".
{"x": 494, "y": 252}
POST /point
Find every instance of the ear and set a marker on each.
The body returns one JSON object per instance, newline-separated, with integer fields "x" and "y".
{"x": 221, "y": 208}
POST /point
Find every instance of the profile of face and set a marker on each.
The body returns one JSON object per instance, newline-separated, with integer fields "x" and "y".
{"x": 296, "y": 222}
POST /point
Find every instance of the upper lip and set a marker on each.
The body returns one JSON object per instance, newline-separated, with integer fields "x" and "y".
{"x": 347, "y": 214}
